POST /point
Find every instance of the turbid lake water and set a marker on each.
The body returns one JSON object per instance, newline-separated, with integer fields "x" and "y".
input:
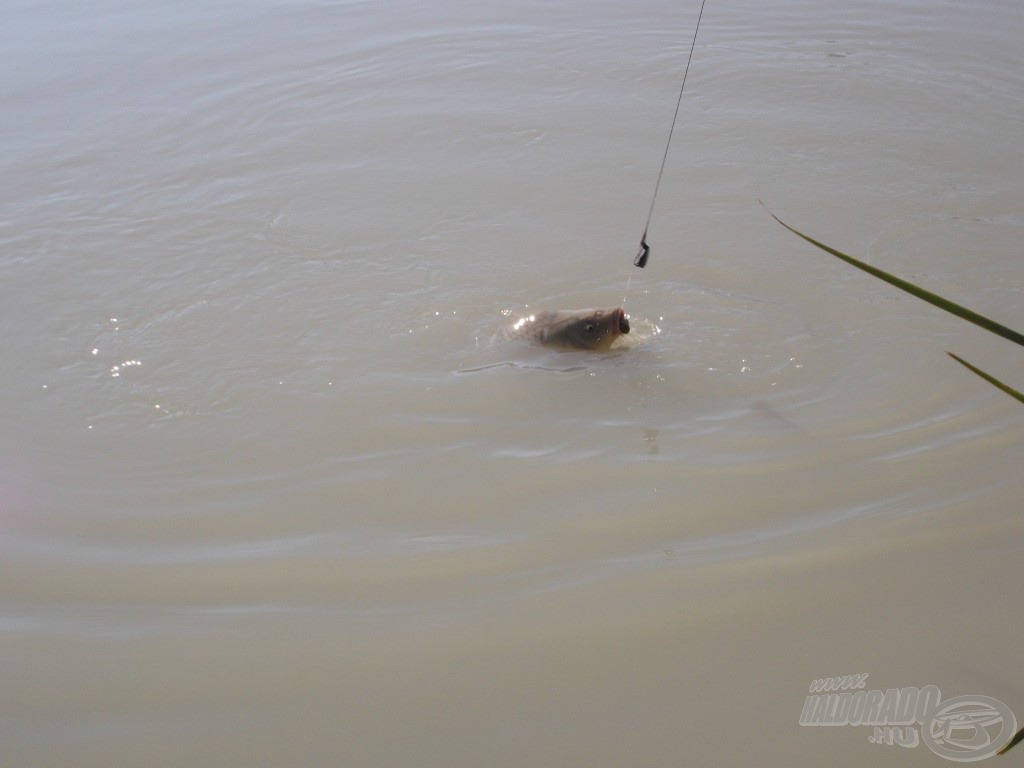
{"x": 270, "y": 496}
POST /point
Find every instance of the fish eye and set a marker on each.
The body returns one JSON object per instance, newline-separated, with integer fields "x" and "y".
{"x": 589, "y": 327}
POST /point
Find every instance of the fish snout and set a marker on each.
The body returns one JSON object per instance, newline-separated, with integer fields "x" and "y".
{"x": 623, "y": 321}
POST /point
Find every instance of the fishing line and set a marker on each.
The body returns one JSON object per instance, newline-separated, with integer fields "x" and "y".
{"x": 645, "y": 250}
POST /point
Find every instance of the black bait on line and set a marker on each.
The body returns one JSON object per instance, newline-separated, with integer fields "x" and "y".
{"x": 645, "y": 250}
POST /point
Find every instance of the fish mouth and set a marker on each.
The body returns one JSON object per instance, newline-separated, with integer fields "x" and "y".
{"x": 623, "y": 322}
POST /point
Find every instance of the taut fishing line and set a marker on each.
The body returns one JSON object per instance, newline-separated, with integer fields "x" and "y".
{"x": 645, "y": 250}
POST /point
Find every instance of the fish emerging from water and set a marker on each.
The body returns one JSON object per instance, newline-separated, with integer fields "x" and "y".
{"x": 593, "y": 329}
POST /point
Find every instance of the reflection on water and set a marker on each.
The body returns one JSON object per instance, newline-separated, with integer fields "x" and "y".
{"x": 268, "y": 494}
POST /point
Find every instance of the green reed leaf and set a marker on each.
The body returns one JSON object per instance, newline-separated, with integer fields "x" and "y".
{"x": 914, "y": 290}
{"x": 989, "y": 378}
{"x": 1017, "y": 739}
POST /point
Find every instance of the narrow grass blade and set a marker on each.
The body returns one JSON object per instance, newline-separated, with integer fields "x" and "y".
{"x": 1015, "y": 740}
{"x": 990, "y": 379}
{"x": 914, "y": 290}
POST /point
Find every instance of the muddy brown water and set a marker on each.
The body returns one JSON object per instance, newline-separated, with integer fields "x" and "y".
{"x": 266, "y": 497}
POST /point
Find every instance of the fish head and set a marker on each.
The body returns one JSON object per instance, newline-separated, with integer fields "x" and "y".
{"x": 585, "y": 328}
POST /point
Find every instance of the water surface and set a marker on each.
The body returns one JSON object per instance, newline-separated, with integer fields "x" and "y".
{"x": 269, "y": 495}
